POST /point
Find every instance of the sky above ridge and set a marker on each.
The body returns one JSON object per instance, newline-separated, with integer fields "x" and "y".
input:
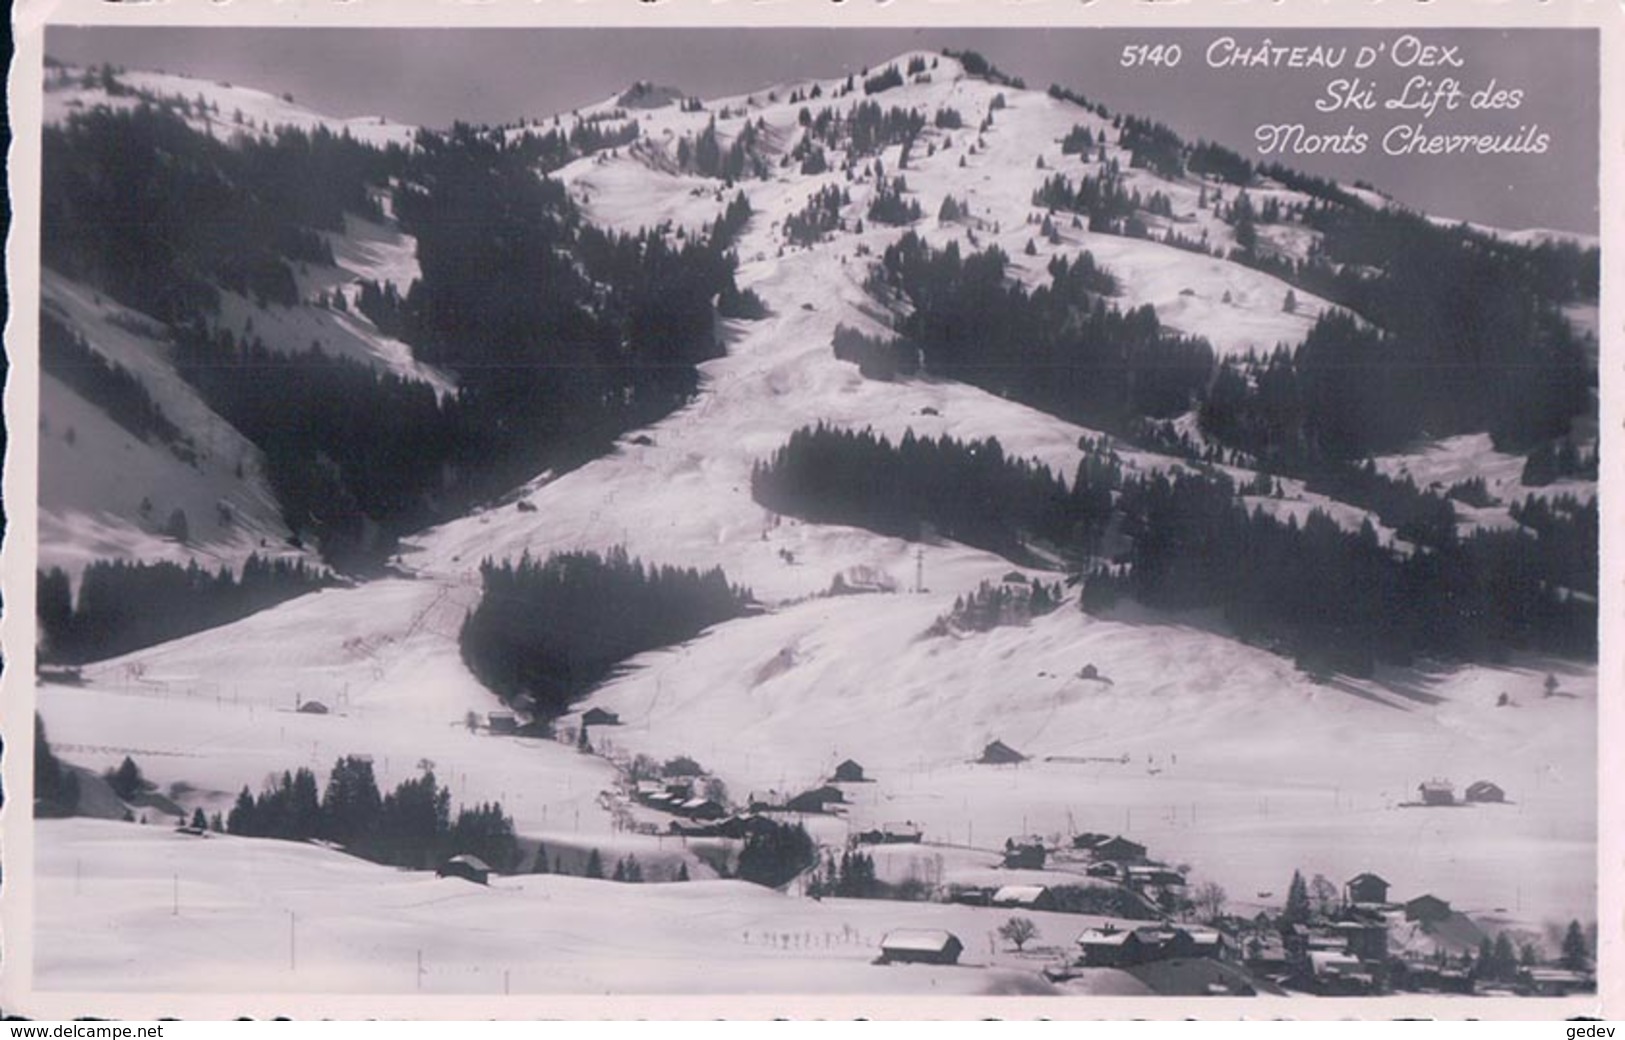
{"x": 432, "y": 77}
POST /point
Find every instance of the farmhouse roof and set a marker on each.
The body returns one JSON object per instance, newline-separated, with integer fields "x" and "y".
{"x": 1024, "y": 895}
{"x": 923, "y": 939}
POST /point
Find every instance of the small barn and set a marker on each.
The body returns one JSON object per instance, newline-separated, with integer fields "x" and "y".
{"x": 920, "y": 946}
{"x": 1366, "y": 888}
{"x": 1149, "y": 876}
{"x": 1118, "y": 850}
{"x": 701, "y": 809}
{"x": 891, "y": 834}
{"x": 501, "y": 722}
{"x": 312, "y": 708}
{"x": 817, "y": 800}
{"x": 1485, "y": 791}
{"x": 1209, "y": 943}
{"x": 1026, "y": 897}
{"x": 1427, "y": 909}
{"x": 1025, "y": 855}
{"x": 1437, "y": 792}
{"x": 849, "y": 772}
{"x": 999, "y": 753}
{"x": 469, "y": 868}
{"x": 599, "y": 717}
{"x": 1111, "y": 947}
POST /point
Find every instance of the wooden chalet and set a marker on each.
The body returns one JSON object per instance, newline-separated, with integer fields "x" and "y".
{"x": 1026, "y": 897}
{"x": 1025, "y": 855}
{"x": 920, "y": 946}
{"x": 817, "y": 800}
{"x": 469, "y": 868}
{"x": 1365, "y": 888}
{"x": 1437, "y": 792}
{"x": 1427, "y": 909}
{"x": 1118, "y": 850}
{"x": 849, "y": 772}
{"x": 1110, "y": 947}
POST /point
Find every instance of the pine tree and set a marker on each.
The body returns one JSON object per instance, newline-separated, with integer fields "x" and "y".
{"x": 595, "y": 866}
{"x": 1297, "y": 900}
{"x": 1576, "y": 951}
{"x": 199, "y": 821}
{"x": 127, "y": 781}
{"x": 243, "y": 819}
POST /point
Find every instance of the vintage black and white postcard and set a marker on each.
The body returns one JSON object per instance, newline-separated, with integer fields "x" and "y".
{"x": 1050, "y": 511}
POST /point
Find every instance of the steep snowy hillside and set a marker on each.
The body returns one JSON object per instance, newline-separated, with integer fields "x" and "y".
{"x": 106, "y": 493}
{"x": 1232, "y": 756}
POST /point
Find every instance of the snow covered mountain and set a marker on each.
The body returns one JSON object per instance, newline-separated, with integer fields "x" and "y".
{"x": 1214, "y": 750}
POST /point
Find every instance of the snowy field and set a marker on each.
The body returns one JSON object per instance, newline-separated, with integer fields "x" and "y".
{"x": 269, "y": 916}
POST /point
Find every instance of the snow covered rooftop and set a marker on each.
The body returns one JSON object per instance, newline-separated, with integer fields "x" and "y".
{"x": 927, "y": 940}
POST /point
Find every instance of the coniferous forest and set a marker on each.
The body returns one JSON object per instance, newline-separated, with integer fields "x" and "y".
{"x": 970, "y": 492}
{"x": 585, "y": 334}
{"x": 1337, "y": 600}
{"x": 1062, "y": 347}
{"x": 123, "y": 606}
{"x": 546, "y": 632}
{"x": 411, "y": 826}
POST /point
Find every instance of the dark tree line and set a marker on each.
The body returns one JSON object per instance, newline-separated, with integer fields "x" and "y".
{"x": 1151, "y": 145}
{"x": 556, "y": 147}
{"x": 976, "y": 64}
{"x": 586, "y": 334}
{"x": 774, "y": 857}
{"x": 1205, "y": 157}
{"x": 970, "y": 492}
{"x": 123, "y": 606}
{"x": 884, "y": 359}
{"x": 549, "y": 631}
{"x": 56, "y": 787}
{"x": 991, "y": 605}
{"x": 891, "y": 203}
{"x": 1338, "y": 600}
{"x": 1061, "y": 347}
{"x": 864, "y": 129}
{"x": 884, "y": 80}
{"x": 161, "y": 217}
{"x": 411, "y": 826}
{"x": 1335, "y": 599}
{"x": 107, "y": 384}
{"x": 818, "y": 218}
{"x": 355, "y": 455}
{"x": 706, "y": 156}
{"x": 1458, "y": 331}
{"x": 1353, "y": 390}
{"x": 1567, "y": 543}
{"x": 582, "y": 336}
